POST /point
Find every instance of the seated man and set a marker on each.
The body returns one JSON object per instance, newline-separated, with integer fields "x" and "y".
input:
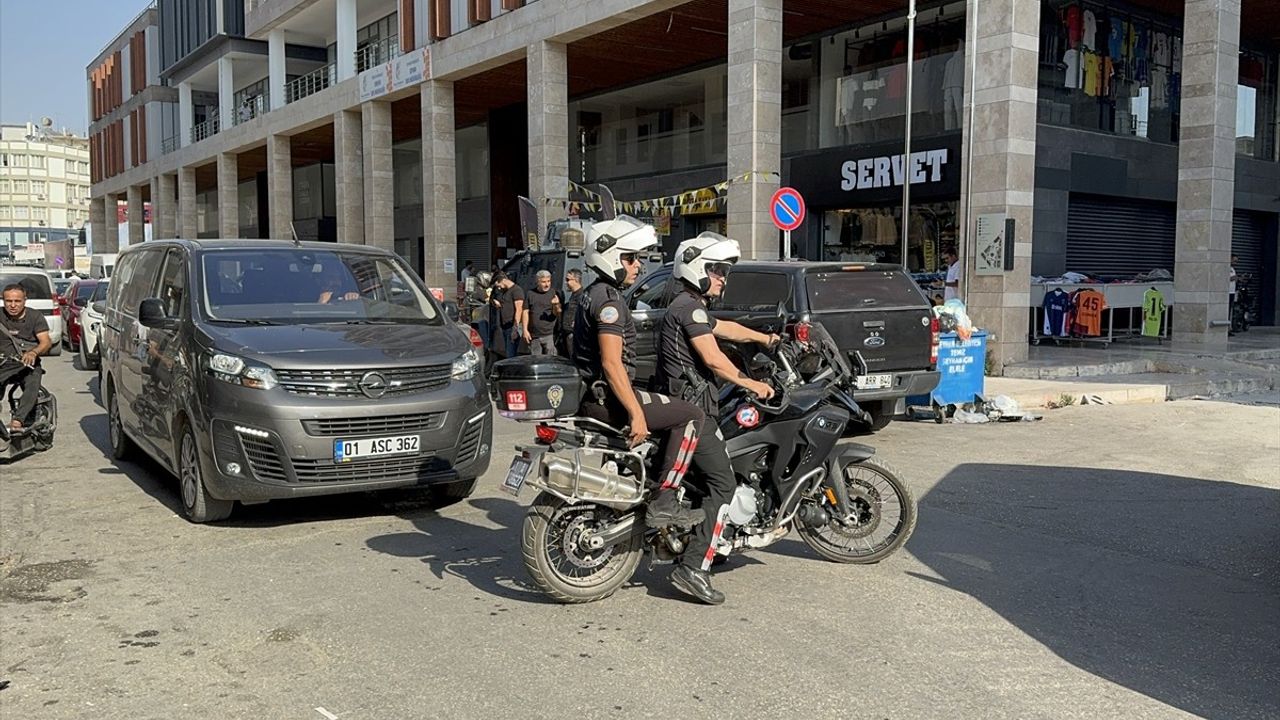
{"x": 26, "y": 338}
{"x": 336, "y": 284}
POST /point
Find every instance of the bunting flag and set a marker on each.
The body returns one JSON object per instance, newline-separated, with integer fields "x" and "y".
{"x": 700, "y": 199}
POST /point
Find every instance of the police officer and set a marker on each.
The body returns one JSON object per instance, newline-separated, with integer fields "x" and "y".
{"x": 689, "y": 363}
{"x": 604, "y": 350}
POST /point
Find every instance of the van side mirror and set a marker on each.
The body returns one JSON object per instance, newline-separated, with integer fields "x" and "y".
{"x": 451, "y": 311}
{"x": 151, "y": 314}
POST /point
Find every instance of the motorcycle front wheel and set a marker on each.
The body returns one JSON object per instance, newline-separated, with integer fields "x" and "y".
{"x": 558, "y": 562}
{"x": 882, "y": 518}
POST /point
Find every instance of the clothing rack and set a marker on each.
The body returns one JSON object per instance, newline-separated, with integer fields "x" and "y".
{"x": 1123, "y": 299}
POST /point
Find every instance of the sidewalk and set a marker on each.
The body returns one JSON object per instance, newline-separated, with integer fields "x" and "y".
{"x": 1143, "y": 372}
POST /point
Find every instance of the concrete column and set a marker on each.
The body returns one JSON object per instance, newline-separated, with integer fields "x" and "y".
{"x": 1002, "y": 182}
{"x": 228, "y": 196}
{"x": 346, "y": 39}
{"x": 348, "y": 153}
{"x": 379, "y": 176}
{"x": 226, "y": 93}
{"x": 97, "y": 222}
{"x": 136, "y": 215}
{"x": 1206, "y": 169}
{"x": 755, "y": 123}
{"x": 164, "y": 205}
{"x": 110, "y": 241}
{"x": 548, "y": 89}
{"x": 280, "y": 186}
{"x": 439, "y": 179}
{"x": 186, "y": 114}
{"x": 188, "y": 227}
{"x": 276, "y": 68}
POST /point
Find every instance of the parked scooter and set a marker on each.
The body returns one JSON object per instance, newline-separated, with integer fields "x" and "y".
{"x": 584, "y": 535}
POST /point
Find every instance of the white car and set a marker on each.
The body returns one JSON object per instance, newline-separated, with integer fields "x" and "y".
{"x": 39, "y": 298}
{"x": 91, "y": 327}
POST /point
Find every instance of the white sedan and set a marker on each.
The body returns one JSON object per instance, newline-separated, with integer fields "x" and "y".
{"x": 91, "y": 327}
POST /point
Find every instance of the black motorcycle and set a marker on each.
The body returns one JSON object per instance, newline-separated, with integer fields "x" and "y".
{"x": 584, "y": 535}
{"x": 37, "y": 432}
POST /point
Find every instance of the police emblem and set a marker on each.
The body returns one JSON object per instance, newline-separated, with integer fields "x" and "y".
{"x": 700, "y": 316}
{"x": 609, "y": 315}
{"x": 748, "y": 416}
{"x": 555, "y": 396}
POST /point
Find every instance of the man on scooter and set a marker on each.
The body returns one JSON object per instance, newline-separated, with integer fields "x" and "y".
{"x": 689, "y": 361}
{"x": 26, "y": 338}
{"x": 604, "y": 351}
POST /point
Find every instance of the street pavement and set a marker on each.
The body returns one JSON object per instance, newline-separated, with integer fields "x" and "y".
{"x": 1106, "y": 562}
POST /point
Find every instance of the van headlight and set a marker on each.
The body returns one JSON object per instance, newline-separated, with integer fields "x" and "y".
{"x": 234, "y": 370}
{"x": 464, "y": 368}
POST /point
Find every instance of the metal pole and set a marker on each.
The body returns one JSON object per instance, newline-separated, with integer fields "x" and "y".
{"x": 906, "y": 142}
{"x": 970, "y": 50}
{"x": 786, "y": 244}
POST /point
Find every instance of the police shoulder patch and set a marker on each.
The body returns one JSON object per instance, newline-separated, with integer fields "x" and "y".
{"x": 609, "y": 314}
{"x": 700, "y": 316}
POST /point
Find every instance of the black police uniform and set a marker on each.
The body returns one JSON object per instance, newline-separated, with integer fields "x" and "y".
{"x": 683, "y": 374}
{"x": 604, "y": 311}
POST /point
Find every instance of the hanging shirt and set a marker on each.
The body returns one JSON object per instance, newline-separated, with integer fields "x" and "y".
{"x": 1177, "y": 54}
{"x": 1090, "y": 35}
{"x": 1115, "y": 37}
{"x": 1057, "y": 306}
{"x": 1092, "y": 74}
{"x": 1088, "y": 308}
{"x": 1152, "y": 313}
{"x": 1071, "y": 79}
{"x": 1159, "y": 88}
{"x": 1075, "y": 26}
{"x": 1160, "y": 50}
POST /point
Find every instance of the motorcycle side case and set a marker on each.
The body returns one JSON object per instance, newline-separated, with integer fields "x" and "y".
{"x": 536, "y": 388}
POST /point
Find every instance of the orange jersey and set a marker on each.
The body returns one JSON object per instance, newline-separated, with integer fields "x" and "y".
{"x": 1088, "y": 313}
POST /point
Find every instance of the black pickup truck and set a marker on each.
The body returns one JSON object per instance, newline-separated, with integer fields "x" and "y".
{"x": 875, "y": 313}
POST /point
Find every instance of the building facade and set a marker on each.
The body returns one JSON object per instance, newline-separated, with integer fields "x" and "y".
{"x": 44, "y": 185}
{"x": 1117, "y": 138}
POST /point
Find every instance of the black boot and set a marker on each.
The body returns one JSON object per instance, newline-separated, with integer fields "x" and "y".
{"x": 696, "y": 583}
{"x": 665, "y": 510}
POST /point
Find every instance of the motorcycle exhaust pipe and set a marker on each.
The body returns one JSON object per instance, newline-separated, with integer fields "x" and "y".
{"x": 591, "y": 484}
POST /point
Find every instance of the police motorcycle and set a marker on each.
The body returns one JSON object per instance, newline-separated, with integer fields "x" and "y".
{"x": 584, "y": 535}
{"x": 36, "y": 434}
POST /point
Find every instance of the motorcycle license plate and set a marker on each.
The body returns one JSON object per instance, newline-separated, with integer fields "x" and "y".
{"x": 519, "y": 472}
{"x": 874, "y": 382}
{"x": 345, "y": 451}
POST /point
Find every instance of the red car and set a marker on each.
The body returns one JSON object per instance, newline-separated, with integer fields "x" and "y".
{"x": 73, "y": 301}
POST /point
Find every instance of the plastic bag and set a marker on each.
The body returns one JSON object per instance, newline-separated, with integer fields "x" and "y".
{"x": 968, "y": 417}
{"x": 952, "y": 317}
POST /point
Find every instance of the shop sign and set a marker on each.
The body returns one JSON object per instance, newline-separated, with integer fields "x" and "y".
{"x": 401, "y": 73}
{"x": 889, "y": 171}
{"x": 870, "y": 174}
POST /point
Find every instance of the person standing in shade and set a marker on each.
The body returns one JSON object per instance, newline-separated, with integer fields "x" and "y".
{"x": 468, "y": 269}
{"x": 573, "y": 281}
{"x": 510, "y": 304}
{"x": 542, "y": 309}
{"x": 952, "y": 288}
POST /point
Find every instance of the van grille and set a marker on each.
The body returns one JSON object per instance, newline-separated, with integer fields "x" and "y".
{"x": 342, "y": 427}
{"x": 401, "y": 468}
{"x": 346, "y": 383}
{"x": 264, "y": 459}
{"x": 469, "y": 445}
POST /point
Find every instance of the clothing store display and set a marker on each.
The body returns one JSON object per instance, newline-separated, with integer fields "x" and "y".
{"x": 1092, "y": 74}
{"x": 1160, "y": 51}
{"x": 1177, "y": 54}
{"x": 1075, "y": 26}
{"x": 1090, "y": 34}
{"x": 1159, "y": 88}
{"x": 1086, "y": 316}
{"x": 1152, "y": 313}
{"x": 1057, "y": 308}
{"x": 1071, "y": 76}
{"x": 1115, "y": 38}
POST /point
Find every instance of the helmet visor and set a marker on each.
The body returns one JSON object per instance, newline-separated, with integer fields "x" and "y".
{"x": 719, "y": 269}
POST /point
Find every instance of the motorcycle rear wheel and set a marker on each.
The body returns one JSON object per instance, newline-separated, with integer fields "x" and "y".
{"x": 559, "y": 566}
{"x": 880, "y": 498}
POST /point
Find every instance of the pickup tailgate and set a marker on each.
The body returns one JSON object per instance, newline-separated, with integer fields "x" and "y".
{"x": 880, "y": 313}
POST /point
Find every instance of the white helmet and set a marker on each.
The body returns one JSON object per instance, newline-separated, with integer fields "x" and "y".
{"x": 709, "y": 251}
{"x": 609, "y": 240}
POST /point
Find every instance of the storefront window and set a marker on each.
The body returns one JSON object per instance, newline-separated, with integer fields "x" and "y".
{"x": 1110, "y": 70}
{"x": 863, "y": 77}
{"x": 1256, "y": 106}
{"x": 669, "y": 125}
{"x": 874, "y": 234}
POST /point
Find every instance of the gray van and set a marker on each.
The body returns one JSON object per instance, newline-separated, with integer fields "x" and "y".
{"x": 255, "y": 370}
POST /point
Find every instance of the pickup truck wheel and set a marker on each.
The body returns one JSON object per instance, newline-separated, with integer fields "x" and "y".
{"x": 881, "y": 413}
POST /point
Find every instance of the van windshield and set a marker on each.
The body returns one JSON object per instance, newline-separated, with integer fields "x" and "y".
{"x": 307, "y": 286}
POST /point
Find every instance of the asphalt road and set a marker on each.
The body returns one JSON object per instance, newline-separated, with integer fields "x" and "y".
{"x": 1107, "y": 562}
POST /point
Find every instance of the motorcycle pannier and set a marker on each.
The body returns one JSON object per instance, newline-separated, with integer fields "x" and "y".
{"x": 536, "y": 388}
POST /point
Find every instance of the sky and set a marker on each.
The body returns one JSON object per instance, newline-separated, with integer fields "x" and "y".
{"x": 45, "y": 46}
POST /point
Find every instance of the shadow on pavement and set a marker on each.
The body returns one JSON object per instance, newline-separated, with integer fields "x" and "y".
{"x": 1169, "y": 586}
{"x": 146, "y": 473}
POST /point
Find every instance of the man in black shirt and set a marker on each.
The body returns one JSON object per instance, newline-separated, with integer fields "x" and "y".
{"x": 26, "y": 338}
{"x": 573, "y": 281}
{"x": 542, "y": 311}
{"x": 689, "y": 361}
{"x": 510, "y": 304}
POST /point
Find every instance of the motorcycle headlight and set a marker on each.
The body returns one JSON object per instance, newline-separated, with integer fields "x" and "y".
{"x": 464, "y": 368}
{"x": 234, "y": 370}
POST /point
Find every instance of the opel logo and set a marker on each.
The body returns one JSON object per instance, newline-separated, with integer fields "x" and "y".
{"x": 874, "y": 341}
{"x": 373, "y": 385}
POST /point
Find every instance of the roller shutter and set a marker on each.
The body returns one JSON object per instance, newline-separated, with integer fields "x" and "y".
{"x": 1119, "y": 236}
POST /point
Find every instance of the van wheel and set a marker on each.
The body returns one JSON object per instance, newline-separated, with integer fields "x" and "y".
{"x": 121, "y": 445}
{"x": 197, "y": 504}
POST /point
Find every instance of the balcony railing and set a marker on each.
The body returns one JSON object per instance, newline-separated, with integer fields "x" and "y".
{"x": 208, "y": 128}
{"x": 169, "y": 144}
{"x": 251, "y": 108}
{"x": 311, "y": 83}
{"x": 377, "y": 52}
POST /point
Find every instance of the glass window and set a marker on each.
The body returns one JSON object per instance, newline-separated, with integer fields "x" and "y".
{"x": 38, "y": 161}
{"x": 84, "y": 291}
{"x": 750, "y": 291}
{"x": 21, "y": 187}
{"x": 1256, "y": 106}
{"x": 39, "y": 213}
{"x": 173, "y": 284}
{"x": 472, "y": 162}
{"x": 39, "y": 187}
{"x": 406, "y": 160}
{"x": 140, "y": 282}
{"x": 4, "y": 212}
{"x": 1111, "y": 71}
{"x": 874, "y": 234}
{"x": 4, "y": 186}
{"x": 847, "y": 290}
{"x": 21, "y": 213}
{"x": 652, "y": 294}
{"x": 38, "y": 287}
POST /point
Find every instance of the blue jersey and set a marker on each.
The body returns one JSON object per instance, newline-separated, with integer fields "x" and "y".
{"x": 1057, "y": 308}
